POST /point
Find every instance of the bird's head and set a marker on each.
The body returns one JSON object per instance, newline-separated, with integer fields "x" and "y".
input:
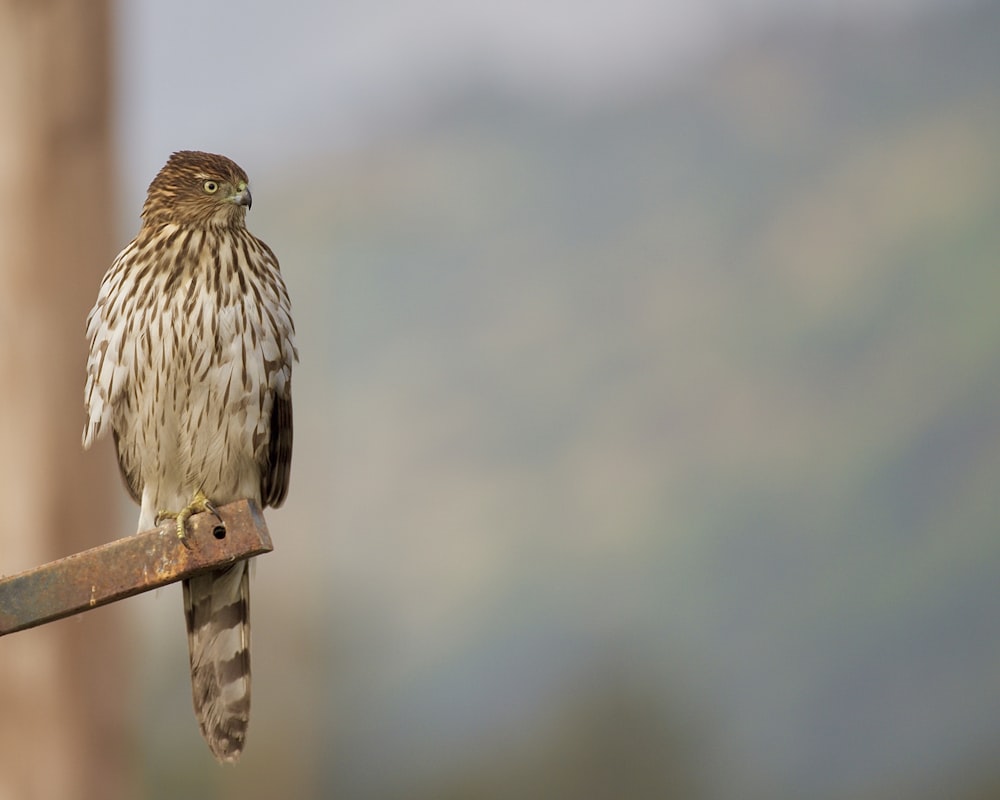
{"x": 201, "y": 189}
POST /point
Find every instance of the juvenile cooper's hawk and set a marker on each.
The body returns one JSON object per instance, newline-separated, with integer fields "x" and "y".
{"x": 191, "y": 350}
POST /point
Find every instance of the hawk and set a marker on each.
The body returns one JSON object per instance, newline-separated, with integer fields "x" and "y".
{"x": 190, "y": 367}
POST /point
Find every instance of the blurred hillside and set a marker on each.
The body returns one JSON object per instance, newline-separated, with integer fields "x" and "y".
{"x": 647, "y": 448}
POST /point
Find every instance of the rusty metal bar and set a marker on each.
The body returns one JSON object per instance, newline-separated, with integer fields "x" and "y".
{"x": 131, "y": 566}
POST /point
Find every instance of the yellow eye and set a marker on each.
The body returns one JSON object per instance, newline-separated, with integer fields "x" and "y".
{"x": 211, "y": 187}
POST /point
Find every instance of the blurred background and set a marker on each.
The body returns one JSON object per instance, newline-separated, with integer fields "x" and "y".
{"x": 647, "y": 422}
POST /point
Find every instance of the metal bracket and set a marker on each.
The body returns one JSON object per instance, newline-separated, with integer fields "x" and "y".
{"x": 132, "y": 565}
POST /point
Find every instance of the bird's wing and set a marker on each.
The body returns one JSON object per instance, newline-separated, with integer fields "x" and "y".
{"x": 110, "y": 362}
{"x": 275, "y": 469}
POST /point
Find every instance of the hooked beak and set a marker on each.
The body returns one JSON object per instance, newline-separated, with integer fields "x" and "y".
{"x": 243, "y": 198}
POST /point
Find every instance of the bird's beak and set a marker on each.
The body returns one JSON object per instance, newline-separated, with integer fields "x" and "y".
{"x": 243, "y": 198}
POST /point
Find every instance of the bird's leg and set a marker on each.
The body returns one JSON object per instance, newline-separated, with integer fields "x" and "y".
{"x": 199, "y": 504}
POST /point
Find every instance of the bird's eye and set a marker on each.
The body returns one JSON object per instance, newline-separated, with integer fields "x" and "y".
{"x": 211, "y": 187}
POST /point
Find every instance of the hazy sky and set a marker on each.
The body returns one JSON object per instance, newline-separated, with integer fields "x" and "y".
{"x": 256, "y": 80}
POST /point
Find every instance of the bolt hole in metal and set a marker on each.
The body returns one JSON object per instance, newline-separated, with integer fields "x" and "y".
{"x": 219, "y": 532}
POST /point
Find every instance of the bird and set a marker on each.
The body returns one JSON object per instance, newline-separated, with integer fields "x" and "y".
{"x": 191, "y": 345}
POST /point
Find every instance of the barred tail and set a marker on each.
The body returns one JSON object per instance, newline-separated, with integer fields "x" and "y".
{"x": 217, "y": 609}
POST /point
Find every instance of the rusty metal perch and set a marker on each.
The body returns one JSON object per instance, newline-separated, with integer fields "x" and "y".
{"x": 131, "y": 566}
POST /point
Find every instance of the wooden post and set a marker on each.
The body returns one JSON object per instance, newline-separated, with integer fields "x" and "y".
{"x": 62, "y": 687}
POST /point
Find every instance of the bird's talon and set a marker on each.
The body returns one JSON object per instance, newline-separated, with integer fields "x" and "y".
{"x": 182, "y": 535}
{"x": 212, "y": 509}
{"x": 198, "y": 505}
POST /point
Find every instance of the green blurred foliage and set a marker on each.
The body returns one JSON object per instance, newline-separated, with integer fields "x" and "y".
{"x": 648, "y": 449}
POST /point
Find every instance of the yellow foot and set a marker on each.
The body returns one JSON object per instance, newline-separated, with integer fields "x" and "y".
{"x": 198, "y": 505}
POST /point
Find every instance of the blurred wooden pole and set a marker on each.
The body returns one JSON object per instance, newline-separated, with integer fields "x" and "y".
{"x": 62, "y": 699}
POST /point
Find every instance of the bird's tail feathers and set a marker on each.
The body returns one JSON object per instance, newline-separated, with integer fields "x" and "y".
{"x": 217, "y": 610}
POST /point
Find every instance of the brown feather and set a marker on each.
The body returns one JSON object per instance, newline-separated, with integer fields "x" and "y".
{"x": 130, "y": 479}
{"x": 275, "y": 472}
